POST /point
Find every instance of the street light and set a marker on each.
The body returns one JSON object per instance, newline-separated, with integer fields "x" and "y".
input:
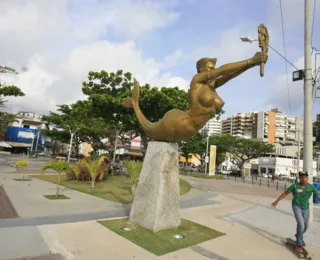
{"x": 251, "y": 40}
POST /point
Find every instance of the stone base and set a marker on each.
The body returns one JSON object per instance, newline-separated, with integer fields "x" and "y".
{"x": 156, "y": 204}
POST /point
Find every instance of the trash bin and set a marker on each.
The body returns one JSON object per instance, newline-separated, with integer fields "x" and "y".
{"x": 315, "y": 199}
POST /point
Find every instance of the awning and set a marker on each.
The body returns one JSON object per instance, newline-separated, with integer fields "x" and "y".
{"x": 16, "y": 144}
{"x": 5, "y": 144}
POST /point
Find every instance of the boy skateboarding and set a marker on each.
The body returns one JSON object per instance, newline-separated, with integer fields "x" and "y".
{"x": 301, "y": 192}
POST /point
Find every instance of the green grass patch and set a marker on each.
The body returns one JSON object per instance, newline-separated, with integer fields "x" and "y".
{"x": 22, "y": 179}
{"x": 204, "y": 176}
{"x": 53, "y": 197}
{"x": 163, "y": 242}
{"x": 115, "y": 188}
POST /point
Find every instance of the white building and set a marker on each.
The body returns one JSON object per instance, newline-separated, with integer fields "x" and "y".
{"x": 28, "y": 120}
{"x": 283, "y": 166}
{"x": 212, "y": 127}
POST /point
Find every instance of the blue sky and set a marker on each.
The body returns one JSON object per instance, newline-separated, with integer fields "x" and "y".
{"x": 158, "y": 41}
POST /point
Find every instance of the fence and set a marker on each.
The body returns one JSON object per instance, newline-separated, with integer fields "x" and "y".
{"x": 263, "y": 182}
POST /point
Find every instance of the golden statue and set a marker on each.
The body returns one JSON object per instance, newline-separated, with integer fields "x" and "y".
{"x": 204, "y": 101}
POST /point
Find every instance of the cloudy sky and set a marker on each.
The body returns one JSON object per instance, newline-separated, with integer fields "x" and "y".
{"x": 158, "y": 41}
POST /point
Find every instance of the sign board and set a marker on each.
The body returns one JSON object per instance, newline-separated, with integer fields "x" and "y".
{"x": 28, "y": 135}
{"x": 212, "y": 165}
{"x": 206, "y": 159}
{"x": 247, "y": 165}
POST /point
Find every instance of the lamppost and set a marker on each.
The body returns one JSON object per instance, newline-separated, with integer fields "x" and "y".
{"x": 71, "y": 139}
{"x": 117, "y": 134}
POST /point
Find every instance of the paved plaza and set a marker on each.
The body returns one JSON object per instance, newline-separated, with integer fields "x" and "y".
{"x": 51, "y": 230}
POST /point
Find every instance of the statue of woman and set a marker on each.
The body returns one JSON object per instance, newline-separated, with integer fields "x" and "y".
{"x": 204, "y": 101}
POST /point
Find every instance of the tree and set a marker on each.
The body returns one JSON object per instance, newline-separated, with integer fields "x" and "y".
{"x": 94, "y": 168}
{"x": 7, "y": 91}
{"x": 242, "y": 149}
{"x": 23, "y": 164}
{"x": 134, "y": 170}
{"x": 77, "y": 116}
{"x": 195, "y": 145}
{"x": 60, "y": 167}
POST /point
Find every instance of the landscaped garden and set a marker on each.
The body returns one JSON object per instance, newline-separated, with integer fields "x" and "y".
{"x": 92, "y": 177}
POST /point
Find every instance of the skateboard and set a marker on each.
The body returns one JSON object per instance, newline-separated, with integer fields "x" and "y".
{"x": 293, "y": 244}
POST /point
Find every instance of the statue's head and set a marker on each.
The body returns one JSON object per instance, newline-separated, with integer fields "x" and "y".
{"x": 206, "y": 64}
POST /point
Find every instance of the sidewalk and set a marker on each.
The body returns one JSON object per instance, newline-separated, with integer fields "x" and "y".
{"x": 28, "y": 200}
{"x": 241, "y": 242}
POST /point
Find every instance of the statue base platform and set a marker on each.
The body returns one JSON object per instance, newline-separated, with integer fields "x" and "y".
{"x": 156, "y": 205}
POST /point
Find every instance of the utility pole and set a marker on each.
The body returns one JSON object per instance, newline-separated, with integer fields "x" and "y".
{"x": 299, "y": 137}
{"x": 307, "y": 135}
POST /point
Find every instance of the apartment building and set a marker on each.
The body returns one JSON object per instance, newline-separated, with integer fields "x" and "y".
{"x": 241, "y": 124}
{"x": 212, "y": 127}
{"x": 268, "y": 126}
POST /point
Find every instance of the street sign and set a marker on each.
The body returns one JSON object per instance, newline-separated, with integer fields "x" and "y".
{"x": 206, "y": 159}
{"x": 295, "y": 162}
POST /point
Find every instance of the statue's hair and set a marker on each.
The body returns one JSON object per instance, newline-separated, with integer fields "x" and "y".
{"x": 202, "y": 62}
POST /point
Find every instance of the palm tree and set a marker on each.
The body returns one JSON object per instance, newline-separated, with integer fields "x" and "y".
{"x": 94, "y": 169}
{"x": 60, "y": 167}
{"x": 77, "y": 168}
{"x": 134, "y": 170}
{"x": 23, "y": 164}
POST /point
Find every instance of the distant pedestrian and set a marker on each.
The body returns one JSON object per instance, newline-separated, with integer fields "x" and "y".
{"x": 302, "y": 192}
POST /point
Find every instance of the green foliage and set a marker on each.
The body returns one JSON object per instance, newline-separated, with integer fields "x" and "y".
{"x": 94, "y": 168}
{"x": 241, "y": 149}
{"x": 21, "y": 163}
{"x": 59, "y": 166}
{"x": 80, "y": 119}
{"x": 134, "y": 169}
{"x": 7, "y": 91}
{"x": 194, "y": 145}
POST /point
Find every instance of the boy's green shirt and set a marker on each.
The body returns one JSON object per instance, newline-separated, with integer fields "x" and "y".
{"x": 302, "y": 195}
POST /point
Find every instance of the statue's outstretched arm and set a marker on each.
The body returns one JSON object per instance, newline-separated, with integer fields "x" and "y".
{"x": 224, "y": 79}
{"x": 225, "y": 70}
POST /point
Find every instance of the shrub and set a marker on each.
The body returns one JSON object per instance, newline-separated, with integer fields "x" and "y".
{"x": 134, "y": 170}
{"x": 80, "y": 171}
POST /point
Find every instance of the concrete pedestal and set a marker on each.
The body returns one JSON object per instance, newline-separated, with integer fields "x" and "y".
{"x": 156, "y": 204}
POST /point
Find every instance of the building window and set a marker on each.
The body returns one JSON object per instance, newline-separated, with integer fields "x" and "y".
{"x": 263, "y": 170}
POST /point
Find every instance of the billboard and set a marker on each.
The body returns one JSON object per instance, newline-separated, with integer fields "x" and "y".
{"x": 212, "y": 164}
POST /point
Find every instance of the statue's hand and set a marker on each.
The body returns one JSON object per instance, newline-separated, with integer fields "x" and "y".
{"x": 259, "y": 58}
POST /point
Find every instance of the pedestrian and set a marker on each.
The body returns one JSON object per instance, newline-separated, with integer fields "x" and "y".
{"x": 301, "y": 192}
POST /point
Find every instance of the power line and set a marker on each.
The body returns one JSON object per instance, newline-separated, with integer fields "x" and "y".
{"x": 285, "y": 54}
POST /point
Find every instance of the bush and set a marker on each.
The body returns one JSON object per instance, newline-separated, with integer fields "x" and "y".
{"x": 83, "y": 172}
{"x": 134, "y": 169}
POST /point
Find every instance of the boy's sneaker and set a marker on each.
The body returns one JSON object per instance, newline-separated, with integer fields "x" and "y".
{"x": 299, "y": 249}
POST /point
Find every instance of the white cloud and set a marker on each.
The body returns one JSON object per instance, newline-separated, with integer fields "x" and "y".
{"x": 60, "y": 41}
